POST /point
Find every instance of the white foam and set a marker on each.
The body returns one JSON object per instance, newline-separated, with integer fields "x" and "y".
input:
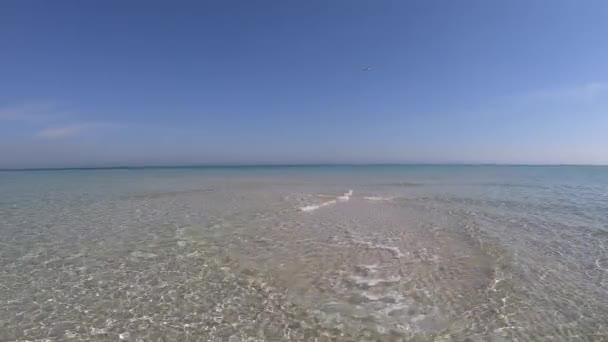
{"x": 328, "y": 203}
{"x": 359, "y": 280}
{"x": 371, "y": 297}
{"x": 598, "y": 263}
{"x": 396, "y": 252}
{"x": 386, "y": 297}
{"x": 100, "y": 331}
{"x": 310, "y": 208}
{"x": 144, "y": 255}
{"x": 317, "y": 206}
{"x": 369, "y": 268}
{"x": 391, "y": 309}
{"x": 345, "y": 197}
{"x": 377, "y": 198}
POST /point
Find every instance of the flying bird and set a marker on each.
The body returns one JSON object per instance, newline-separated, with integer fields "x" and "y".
{"x": 367, "y": 68}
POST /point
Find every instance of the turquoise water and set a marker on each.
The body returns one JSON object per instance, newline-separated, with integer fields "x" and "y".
{"x": 416, "y": 252}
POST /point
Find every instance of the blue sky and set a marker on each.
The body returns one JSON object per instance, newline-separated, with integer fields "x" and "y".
{"x": 101, "y": 83}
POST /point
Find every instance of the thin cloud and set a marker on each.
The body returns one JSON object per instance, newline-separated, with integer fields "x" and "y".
{"x": 588, "y": 92}
{"x": 70, "y": 130}
{"x": 51, "y": 118}
{"x": 31, "y": 112}
{"x": 580, "y": 99}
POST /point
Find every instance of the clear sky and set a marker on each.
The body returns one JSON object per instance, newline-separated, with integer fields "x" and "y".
{"x": 101, "y": 83}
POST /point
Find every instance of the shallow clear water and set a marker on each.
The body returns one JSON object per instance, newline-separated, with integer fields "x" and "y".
{"x": 440, "y": 253}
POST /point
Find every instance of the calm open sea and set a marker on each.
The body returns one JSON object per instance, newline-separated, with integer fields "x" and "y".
{"x": 319, "y": 253}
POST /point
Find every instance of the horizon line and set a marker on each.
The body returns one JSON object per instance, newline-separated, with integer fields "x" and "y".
{"x": 268, "y": 165}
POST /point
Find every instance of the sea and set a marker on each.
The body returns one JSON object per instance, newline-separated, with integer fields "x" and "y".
{"x": 305, "y": 253}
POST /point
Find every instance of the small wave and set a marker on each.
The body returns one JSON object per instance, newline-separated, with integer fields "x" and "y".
{"x": 345, "y": 197}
